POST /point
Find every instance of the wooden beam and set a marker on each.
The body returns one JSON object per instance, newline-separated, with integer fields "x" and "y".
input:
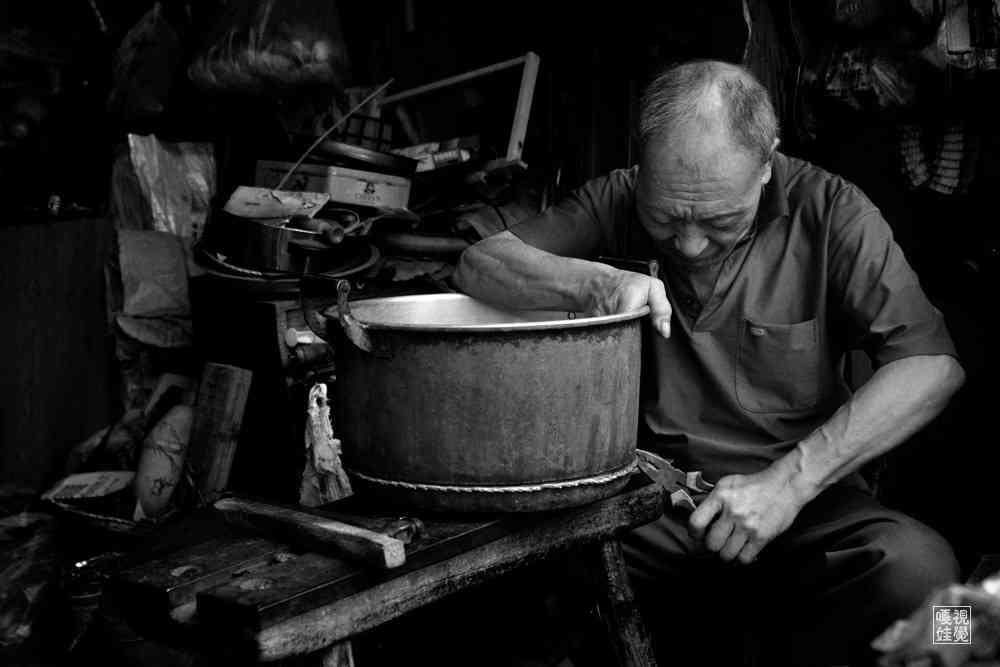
{"x": 522, "y": 111}
{"x": 626, "y": 631}
{"x": 218, "y": 421}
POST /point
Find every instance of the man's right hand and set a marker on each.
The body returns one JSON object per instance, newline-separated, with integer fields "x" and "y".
{"x": 629, "y": 291}
{"x": 504, "y": 270}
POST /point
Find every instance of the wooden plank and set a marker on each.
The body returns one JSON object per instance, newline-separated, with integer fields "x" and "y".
{"x": 522, "y": 111}
{"x": 155, "y": 587}
{"x": 320, "y": 580}
{"x": 218, "y": 417}
{"x": 338, "y": 655}
{"x": 619, "y": 609}
{"x": 277, "y": 592}
{"x": 57, "y": 383}
{"x": 547, "y": 534}
{"x": 313, "y": 529}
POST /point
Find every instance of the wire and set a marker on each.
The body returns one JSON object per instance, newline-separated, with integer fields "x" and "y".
{"x": 333, "y": 127}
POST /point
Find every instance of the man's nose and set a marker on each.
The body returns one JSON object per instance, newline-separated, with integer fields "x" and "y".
{"x": 689, "y": 241}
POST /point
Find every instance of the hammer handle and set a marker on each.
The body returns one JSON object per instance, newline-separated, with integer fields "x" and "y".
{"x": 366, "y": 545}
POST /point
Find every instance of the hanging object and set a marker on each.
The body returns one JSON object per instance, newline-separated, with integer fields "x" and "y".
{"x": 953, "y": 166}
{"x": 911, "y": 154}
{"x": 266, "y": 46}
{"x": 323, "y": 479}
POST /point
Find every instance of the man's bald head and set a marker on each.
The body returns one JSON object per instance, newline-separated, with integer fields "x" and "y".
{"x": 711, "y": 99}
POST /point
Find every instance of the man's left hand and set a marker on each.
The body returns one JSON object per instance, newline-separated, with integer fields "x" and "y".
{"x": 745, "y": 512}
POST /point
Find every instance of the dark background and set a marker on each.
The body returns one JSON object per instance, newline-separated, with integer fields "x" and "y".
{"x": 57, "y": 382}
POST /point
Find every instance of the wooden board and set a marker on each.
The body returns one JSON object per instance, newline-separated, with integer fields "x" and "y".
{"x": 155, "y": 587}
{"x": 218, "y": 418}
{"x": 57, "y": 383}
{"x": 316, "y": 601}
{"x": 314, "y": 580}
{"x": 527, "y": 540}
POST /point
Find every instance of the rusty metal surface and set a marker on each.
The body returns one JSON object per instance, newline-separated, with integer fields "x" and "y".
{"x": 491, "y": 405}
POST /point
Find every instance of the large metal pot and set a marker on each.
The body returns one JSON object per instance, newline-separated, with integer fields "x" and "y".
{"x": 445, "y": 402}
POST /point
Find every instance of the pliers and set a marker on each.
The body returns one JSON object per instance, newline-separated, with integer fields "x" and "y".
{"x": 686, "y": 489}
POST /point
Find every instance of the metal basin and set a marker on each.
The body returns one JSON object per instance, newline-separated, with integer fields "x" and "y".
{"x": 448, "y": 403}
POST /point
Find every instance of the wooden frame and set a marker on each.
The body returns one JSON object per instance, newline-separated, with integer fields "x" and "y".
{"x": 522, "y": 110}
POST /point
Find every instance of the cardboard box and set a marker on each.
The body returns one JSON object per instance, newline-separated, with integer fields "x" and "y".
{"x": 347, "y": 186}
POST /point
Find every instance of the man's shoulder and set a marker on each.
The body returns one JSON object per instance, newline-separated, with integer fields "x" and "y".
{"x": 817, "y": 194}
{"x": 615, "y": 184}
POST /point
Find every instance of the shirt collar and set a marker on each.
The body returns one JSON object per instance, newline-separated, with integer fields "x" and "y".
{"x": 774, "y": 199}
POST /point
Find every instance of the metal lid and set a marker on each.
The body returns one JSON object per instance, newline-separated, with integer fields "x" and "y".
{"x": 389, "y": 163}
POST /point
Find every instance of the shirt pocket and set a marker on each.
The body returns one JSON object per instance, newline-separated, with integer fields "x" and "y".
{"x": 778, "y": 366}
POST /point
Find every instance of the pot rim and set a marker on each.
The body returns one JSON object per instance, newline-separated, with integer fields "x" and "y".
{"x": 357, "y": 311}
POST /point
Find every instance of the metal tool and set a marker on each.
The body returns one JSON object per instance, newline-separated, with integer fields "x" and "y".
{"x": 686, "y": 489}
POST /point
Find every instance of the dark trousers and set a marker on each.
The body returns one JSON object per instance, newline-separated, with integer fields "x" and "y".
{"x": 817, "y": 595}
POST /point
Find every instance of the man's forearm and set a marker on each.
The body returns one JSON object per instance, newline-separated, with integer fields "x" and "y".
{"x": 504, "y": 270}
{"x": 899, "y": 399}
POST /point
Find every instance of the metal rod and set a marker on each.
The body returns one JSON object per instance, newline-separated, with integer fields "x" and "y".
{"x": 333, "y": 127}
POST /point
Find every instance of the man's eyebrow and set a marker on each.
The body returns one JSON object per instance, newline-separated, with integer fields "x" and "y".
{"x": 719, "y": 217}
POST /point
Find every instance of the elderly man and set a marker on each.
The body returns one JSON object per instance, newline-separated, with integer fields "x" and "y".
{"x": 772, "y": 270}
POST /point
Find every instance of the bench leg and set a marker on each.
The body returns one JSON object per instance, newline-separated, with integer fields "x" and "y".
{"x": 626, "y": 631}
{"x": 338, "y": 655}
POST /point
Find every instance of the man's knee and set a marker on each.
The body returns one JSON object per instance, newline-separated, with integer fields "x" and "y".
{"x": 915, "y": 561}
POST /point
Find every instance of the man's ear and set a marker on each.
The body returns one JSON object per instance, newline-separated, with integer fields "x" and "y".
{"x": 765, "y": 177}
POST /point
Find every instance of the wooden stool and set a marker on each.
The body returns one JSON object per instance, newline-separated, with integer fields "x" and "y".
{"x": 240, "y": 598}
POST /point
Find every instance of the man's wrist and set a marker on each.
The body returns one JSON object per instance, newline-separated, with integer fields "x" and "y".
{"x": 802, "y": 484}
{"x": 596, "y": 290}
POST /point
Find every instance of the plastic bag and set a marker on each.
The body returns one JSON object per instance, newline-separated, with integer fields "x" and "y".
{"x": 262, "y": 46}
{"x": 144, "y": 68}
{"x": 163, "y": 186}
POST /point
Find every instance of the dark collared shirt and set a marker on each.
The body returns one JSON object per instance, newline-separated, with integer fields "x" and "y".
{"x": 758, "y": 366}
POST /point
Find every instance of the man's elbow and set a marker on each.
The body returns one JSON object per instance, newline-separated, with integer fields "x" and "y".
{"x": 953, "y": 374}
{"x": 945, "y": 376}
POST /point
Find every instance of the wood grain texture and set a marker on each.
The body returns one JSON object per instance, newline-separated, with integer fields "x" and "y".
{"x": 619, "y": 609}
{"x": 313, "y": 528}
{"x": 218, "y": 420}
{"x": 154, "y": 588}
{"x": 320, "y": 580}
{"x": 548, "y": 534}
{"x": 56, "y": 377}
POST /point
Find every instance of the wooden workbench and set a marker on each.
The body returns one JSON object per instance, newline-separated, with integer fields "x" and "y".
{"x": 246, "y": 599}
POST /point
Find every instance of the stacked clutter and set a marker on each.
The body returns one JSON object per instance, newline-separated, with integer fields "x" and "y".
{"x": 314, "y": 217}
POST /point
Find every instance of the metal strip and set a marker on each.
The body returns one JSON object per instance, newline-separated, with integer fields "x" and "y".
{"x": 519, "y": 488}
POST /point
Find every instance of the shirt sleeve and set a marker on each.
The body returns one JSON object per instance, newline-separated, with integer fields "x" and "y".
{"x": 888, "y": 314}
{"x": 585, "y": 223}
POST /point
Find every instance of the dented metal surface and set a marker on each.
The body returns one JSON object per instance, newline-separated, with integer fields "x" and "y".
{"x": 526, "y": 401}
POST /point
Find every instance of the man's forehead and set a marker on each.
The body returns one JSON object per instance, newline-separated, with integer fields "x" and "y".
{"x": 693, "y": 151}
{"x": 718, "y": 184}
